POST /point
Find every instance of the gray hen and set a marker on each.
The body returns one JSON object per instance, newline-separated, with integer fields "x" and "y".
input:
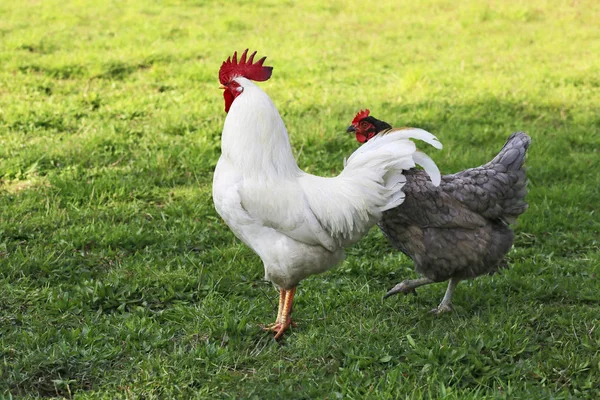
{"x": 460, "y": 229}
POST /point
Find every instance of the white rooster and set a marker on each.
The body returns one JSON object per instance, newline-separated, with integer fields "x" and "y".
{"x": 298, "y": 223}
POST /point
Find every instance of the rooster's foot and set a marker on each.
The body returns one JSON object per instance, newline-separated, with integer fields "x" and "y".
{"x": 273, "y": 327}
{"x": 279, "y": 328}
{"x": 276, "y": 327}
{"x": 282, "y": 328}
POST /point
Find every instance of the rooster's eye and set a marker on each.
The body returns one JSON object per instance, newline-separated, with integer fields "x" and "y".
{"x": 364, "y": 125}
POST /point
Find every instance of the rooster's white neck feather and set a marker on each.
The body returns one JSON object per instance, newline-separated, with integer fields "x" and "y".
{"x": 254, "y": 136}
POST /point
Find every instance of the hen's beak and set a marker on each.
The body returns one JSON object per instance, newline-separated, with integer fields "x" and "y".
{"x": 351, "y": 128}
{"x": 222, "y": 87}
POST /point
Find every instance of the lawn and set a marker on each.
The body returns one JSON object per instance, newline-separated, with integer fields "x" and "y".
{"x": 119, "y": 280}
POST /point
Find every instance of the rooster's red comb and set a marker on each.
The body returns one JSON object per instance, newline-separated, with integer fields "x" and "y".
{"x": 255, "y": 72}
{"x": 362, "y": 114}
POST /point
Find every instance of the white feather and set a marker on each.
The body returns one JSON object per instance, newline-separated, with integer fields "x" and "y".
{"x": 429, "y": 166}
{"x": 296, "y": 222}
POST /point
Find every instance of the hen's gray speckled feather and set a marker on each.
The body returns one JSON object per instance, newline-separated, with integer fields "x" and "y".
{"x": 460, "y": 229}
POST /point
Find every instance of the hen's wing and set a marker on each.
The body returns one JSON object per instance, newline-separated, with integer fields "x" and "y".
{"x": 428, "y": 206}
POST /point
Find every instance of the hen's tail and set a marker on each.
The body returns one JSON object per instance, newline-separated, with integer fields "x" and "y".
{"x": 512, "y": 155}
{"x": 509, "y": 163}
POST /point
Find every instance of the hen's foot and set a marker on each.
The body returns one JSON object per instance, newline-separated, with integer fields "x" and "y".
{"x": 441, "y": 309}
{"x": 408, "y": 286}
{"x": 446, "y": 304}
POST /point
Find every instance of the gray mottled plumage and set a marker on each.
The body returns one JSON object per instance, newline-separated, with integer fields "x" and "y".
{"x": 460, "y": 229}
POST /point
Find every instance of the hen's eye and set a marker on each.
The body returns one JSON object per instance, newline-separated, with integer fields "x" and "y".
{"x": 364, "y": 124}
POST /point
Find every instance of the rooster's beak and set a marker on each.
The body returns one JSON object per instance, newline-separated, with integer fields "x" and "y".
{"x": 351, "y": 128}
{"x": 222, "y": 87}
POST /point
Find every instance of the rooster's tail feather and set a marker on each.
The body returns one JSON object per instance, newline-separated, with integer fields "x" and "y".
{"x": 348, "y": 205}
{"x": 392, "y": 152}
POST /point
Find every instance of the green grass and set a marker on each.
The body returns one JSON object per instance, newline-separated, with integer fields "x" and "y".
{"x": 118, "y": 279}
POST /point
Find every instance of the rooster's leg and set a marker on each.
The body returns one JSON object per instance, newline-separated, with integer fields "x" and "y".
{"x": 286, "y": 319}
{"x": 446, "y": 304}
{"x": 277, "y": 324}
{"x": 408, "y": 286}
{"x": 280, "y": 308}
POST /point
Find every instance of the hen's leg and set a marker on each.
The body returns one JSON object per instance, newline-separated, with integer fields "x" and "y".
{"x": 276, "y": 325}
{"x": 286, "y": 319}
{"x": 446, "y": 304}
{"x": 408, "y": 286}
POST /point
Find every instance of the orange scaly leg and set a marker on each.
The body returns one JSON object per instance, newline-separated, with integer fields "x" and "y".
{"x": 276, "y": 325}
{"x": 286, "y": 319}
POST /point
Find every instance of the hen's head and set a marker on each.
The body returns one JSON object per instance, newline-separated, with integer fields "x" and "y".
{"x": 232, "y": 68}
{"x": 366, "y": 127}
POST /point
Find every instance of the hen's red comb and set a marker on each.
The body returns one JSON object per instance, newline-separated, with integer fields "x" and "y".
{"x": 360, "y": 116}
{"x": 255, "y": 72}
